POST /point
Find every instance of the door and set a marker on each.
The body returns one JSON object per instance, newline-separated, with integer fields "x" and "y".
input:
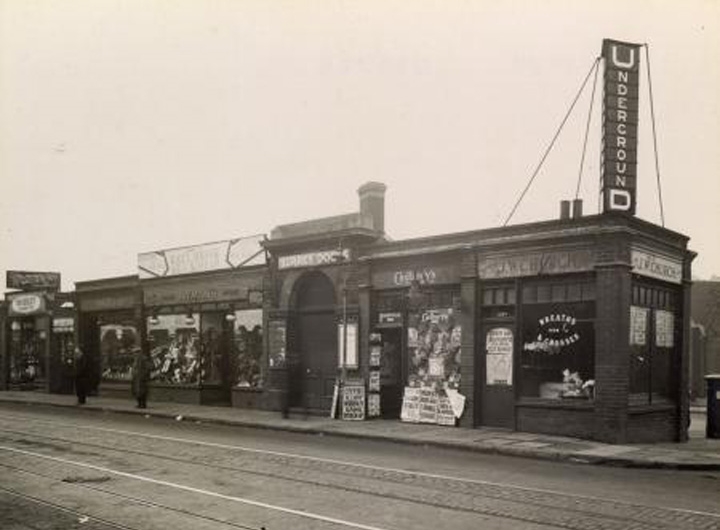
{"x": 391, "y": 373}
{"x": 314, "y": 343}
{"x": 497, "y": 400}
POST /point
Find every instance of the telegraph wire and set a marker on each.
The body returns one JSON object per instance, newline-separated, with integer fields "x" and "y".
{"x": 552, "y": 142}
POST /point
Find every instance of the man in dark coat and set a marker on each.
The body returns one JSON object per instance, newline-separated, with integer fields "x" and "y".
{"x": 141, "y": 376}
{"x": 82, "y": 376}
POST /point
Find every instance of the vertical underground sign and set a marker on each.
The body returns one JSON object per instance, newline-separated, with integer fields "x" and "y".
{"x": 620, "y": 125}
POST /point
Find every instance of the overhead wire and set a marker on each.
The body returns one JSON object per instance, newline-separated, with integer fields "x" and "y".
{"x": 552, "y": 142}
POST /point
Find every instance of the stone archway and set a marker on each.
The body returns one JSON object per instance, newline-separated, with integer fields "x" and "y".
{"x": 314, "y": 342}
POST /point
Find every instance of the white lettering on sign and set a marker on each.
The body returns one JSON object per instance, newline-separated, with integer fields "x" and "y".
{"x": 658, "y": 267}
{"x": 422, "y": 276}
{"x": 314, "y": 259}
{"x": 620, "y": 118}
{"x": 26, "y": 304}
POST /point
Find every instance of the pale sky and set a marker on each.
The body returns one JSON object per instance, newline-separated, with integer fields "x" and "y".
{"x": 129, "y": 126}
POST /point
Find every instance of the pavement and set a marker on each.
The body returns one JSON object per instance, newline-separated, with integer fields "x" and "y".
{"x": 699, "y": 453}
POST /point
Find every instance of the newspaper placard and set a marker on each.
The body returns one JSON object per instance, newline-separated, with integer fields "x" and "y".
{"x": 411, "y": 405}
{"x": 445, "y": 413}
{"x": 353, "y": 402}
{"x": 428, "y": 405}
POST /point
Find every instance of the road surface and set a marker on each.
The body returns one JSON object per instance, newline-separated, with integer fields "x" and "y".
{"x": 66, "y": 469}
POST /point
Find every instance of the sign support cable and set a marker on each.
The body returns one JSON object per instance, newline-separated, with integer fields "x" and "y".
{"x": 552, "y": 143}
{"x": 587, "y": 128}
{"x": 652, "y": 118}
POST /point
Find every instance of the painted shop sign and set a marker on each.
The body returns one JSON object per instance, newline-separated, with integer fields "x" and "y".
{"x": 63, "y": 325}
{"x": 32, "y": 281}
{"x": 393, "y": 317}
{"x": 404, "y": 277}
{"x": 620, "y": 121}
{"x": 106, "y": 302}
{"x": 655, "y": 266}
{"x": 219, "y": 290}
{"x": 26, "y": 304}
{"x": 314, "y": 259}
{"x": 558, "y": 262}
{"x": 229, "y": 254}
{"x": 499, "y": 356}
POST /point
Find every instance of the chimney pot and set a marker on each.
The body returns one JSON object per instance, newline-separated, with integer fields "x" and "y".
{"x": 577, "y": 208}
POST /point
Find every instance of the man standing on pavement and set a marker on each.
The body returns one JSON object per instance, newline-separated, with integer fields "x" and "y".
{"x": 141, "y": 375}
{"x": 81, "y": 376}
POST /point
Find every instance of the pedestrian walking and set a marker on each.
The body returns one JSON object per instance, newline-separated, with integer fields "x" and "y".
{"x": 140, "y": 378}
{"x": 82, "y": 380}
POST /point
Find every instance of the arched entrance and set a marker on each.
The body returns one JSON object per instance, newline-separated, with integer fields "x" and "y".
{"x": 314, "y": 343}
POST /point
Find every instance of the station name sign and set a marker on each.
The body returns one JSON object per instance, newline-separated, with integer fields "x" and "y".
{"x": 33, "y": 281}
{"x": 314, "y": 259}
{"x": 620, "y": 125}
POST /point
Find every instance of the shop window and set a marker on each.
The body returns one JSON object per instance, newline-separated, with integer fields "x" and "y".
{"x": 498, "y": 301}
{"x": 248, "y": 348}
{"x": 558, "y": 350}
{"x": 654, "y": 344}
{"x": 118, "y": 344}
{"x": 27, "y": 352}
{"x": 175, "y": 348}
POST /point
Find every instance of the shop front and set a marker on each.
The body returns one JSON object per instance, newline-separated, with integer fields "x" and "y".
{"x": 109, "y": 332}
{"x": 203, "y": 321}
{"x": 416, "y": 321}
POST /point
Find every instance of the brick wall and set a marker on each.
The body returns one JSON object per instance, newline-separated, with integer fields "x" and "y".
{"x": 652, "y": 426}
{"x": 576, "y": 422}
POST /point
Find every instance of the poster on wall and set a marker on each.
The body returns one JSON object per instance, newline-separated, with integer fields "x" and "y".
{"x": 348, "y": 355}
{"x": 375, "y": 353}
{"x": 373, "y": 405}
{"x": 428, "y": 405}
{"x": 664, "y": 329}
{"x": 638, "y": 325}
{"x": 499, "y": 356}
{"x": 374, "y": 381}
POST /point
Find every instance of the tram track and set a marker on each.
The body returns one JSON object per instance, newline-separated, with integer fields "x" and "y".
{"x": 106, "y": 491}
{"x": 537, "y": 506}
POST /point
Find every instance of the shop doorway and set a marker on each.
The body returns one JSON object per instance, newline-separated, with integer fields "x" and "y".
{"x": 312, "y": 375}
{"x": 497, "y": 391}
{"x": 391, "y": 373}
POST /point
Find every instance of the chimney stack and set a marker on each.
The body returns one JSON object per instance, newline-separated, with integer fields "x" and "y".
{"x": 577, "y": 207}
{"x": 564, "y": 209}
{"x": 372, "y": 204}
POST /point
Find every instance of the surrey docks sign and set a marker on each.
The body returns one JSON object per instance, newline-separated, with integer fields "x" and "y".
{"x": 620, "y": 125}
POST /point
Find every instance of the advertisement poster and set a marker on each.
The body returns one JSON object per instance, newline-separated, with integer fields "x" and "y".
{"x": 374, "y": 381}
{"x": 664, "y": 329}
{"x": 499, "y": 357}
{"x": 373, "y": 405}
{"x": 638, "y": 325}
{"x": 353, "y": 402}
{"x": 411, "y": 405}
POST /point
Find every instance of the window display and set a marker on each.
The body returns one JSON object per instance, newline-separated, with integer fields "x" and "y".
{"x": 434, "y": 339}
{"x": 248, "y": 348}
{"x": 175, "y": 348}
{"x": 558, "y": 352}
{"x": 118, "y": 344}
{"x": 27, "y": 352}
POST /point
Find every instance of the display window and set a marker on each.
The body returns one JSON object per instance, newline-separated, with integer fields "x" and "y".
{"x": 557, "y": 359}
{"x": 248, "y": 348}
{"x": 434, "y": 337}
{"x": 27, "y": 352}
{"x": 654, "y": 343}
{"x": 118, "y": 344}
{"x": 175, "y": 348}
